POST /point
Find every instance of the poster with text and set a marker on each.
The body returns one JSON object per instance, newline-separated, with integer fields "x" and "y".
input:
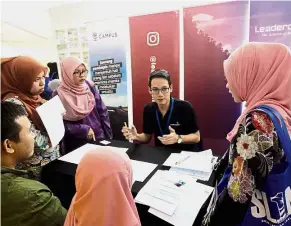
{"x": 107, "y": 56}
{"x": 73, "y": 42}
{"x": 75, "y": 54}
{"x": 61, "y": 40}
{"x": 154, "y": 41}
{"x": 270, "y": 21}
{"x": 84, "y": 37}
{"x": 73, "y": 38}
{"x": 86, "y": 58}
{"x": 211, "y": 33}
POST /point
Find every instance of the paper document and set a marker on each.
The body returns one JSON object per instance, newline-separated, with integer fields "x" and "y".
{"x": 76, "y": 155}
{"x": 173, "y": 159}
{"x": 141, "y": 170}
{"x": 51, "y": 114}
{"x": 199, "y": 175}
{"x": 164, "y": 191}
{"x": 194, "y": 197}
{"x": 191, "y": 160}
{"x": 115, "y": 149}
{"x": 158, "y": 203}
{"x": 105, "y": 142}
{"x": 196, "y": 164}
{"x": 207, "y": 152}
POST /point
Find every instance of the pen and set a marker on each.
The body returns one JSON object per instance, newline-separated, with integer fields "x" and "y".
{"x": 125, "y": 124}
{"x": 127, "y": 130}
{"x": 182, "y": 160}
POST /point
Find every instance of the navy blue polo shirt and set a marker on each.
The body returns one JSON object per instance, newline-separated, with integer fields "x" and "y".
{"x": 183, "y": 121}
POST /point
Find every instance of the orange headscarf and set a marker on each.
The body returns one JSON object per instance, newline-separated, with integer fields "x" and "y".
{"x": 103, "y": 197}
{"x": 260, "y": 74}
{"x": 17, "y": 77}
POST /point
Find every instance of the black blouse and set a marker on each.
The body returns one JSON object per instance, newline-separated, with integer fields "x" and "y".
{"x": 252, "y": 153}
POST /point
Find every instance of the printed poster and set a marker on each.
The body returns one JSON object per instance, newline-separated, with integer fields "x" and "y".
{"x": 107, "y": 54}
{"x": 270, "y": 21}
{"x": 154, "y": 41}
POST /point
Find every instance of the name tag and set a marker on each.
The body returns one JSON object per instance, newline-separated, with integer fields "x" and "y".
{"x": 175, "y": 124}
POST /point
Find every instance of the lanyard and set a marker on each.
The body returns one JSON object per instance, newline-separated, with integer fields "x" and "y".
{"x": 169, "y": 118}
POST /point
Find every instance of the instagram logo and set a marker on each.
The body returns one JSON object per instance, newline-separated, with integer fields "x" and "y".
{"x": 153, "y": 38}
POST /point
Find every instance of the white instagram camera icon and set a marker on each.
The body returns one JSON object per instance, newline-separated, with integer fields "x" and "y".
{"x": 153, "y": 38}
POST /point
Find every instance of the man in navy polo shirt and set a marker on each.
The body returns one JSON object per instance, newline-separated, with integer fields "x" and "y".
{"x": 172, "y": 121}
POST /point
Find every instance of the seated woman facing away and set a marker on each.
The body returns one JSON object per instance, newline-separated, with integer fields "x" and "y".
{"x": 103, "y": 191}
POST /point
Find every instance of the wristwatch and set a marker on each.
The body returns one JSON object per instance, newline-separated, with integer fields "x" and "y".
{"x": 179, "y": 139}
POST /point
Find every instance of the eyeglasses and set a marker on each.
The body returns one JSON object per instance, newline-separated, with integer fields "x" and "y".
{"x": 79, "y": 73}
{"x": 163, "y": 90}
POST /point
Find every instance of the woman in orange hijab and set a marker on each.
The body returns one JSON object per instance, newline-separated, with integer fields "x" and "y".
{"x": 103, "y": 197}
{"x": 22, "y": 77}
{"x": 22, "y": 82}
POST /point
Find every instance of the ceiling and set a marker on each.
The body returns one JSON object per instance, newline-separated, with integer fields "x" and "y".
{"x": 30, "y": 21}
{"x": 27, "y": 21}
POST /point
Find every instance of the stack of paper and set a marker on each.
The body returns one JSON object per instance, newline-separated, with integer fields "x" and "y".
{"x": 164, "y": 191}
{"x": 76, "y": 155}
{"x": 190, "y": 205}
{"x": 173, "y": 197}
{"x": 141, "y": 170}
{"x": 196, "y": 164}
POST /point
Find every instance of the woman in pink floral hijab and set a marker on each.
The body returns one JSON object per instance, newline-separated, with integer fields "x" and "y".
{"x": 259, "y": 74}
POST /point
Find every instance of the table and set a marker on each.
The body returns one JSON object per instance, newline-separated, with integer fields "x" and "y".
{"x": 59, "y": 176}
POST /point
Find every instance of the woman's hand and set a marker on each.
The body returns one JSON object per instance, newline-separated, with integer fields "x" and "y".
{"x": 91, "y": 135}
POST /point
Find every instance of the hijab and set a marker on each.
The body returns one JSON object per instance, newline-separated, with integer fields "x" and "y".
{"x": 260, "y": 74}
{"x": 78, "y": 100}
{"x": 103, "y": 191}
{"x": 17, "y": 77}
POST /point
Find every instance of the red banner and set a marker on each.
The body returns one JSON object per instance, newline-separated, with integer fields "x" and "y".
{"x": 210, "y": 33}
{"x": 154, "y": 45}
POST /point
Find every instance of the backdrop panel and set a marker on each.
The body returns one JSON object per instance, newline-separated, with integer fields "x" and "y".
{"x": 211, "y": 32}
{"x": 154, "y": 44}
{"x": 107, "y": 49}
{"x": 270, "y": 22}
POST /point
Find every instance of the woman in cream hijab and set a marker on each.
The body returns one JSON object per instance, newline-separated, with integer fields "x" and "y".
{"x": 103, "y": 192}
